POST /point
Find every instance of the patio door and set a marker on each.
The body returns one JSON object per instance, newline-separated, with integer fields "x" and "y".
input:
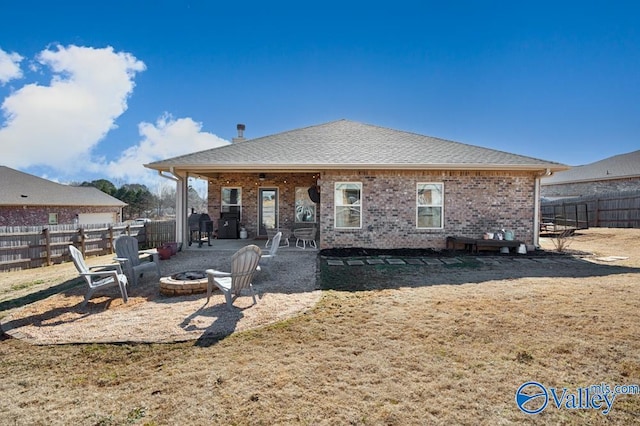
{"x": 267, "y": 210}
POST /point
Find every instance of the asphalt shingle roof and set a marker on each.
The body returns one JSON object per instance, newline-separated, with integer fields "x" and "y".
{"x": 22, "y": 189}
{"x": 616, "y": 167}
{"x": 348, "y": 144}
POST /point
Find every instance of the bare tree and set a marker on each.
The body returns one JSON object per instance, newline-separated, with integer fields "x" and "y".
{"x": 165, "y": 198}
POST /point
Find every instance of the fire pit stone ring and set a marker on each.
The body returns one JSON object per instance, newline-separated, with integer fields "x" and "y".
{"x": 184, "y": 283}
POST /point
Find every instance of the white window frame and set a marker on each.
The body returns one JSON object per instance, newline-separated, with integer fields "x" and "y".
{"x": 422, "y": 203}
{"x": 224, "y": 208}
{"x": 339, "y": 204}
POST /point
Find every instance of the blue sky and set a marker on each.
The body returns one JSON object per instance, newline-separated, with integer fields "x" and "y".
{"x": 93, "y": 90}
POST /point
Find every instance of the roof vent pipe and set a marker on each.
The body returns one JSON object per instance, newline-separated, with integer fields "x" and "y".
{"x": 240, "y": 137}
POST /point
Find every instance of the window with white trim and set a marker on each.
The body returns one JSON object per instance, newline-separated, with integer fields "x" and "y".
{"x": 348, "y": 205}
{"x": 429, "y": 205}
{"x": 232, "y": 201}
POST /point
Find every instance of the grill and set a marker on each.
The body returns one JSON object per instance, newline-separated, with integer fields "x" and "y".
{"x": 200, "y": 226}
{"x": 228, "y": 225}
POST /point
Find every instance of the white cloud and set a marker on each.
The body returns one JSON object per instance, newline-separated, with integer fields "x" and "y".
{"x": 58, "y": 125}
{"x": 168, "y": 137}
{"x": 9, "y": 66}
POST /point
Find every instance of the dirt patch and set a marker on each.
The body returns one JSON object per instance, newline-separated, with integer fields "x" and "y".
{"x": 149, "y": 316}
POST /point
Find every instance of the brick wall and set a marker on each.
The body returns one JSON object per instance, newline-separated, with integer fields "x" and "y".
{"x": 39, "y": 215}
{"x": 474, "y": 202}
{"x": 590, "y": 188}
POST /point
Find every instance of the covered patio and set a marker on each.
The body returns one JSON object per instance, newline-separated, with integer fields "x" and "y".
{"x": 249, "y": 204}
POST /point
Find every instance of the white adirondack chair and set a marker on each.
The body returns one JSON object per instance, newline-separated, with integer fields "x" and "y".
{"x": 265, "y": 259}
{"x": 105, "y": 275}
{"x": 244, "y": 264}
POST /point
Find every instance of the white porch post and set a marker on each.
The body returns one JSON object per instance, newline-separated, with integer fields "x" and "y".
{"x": 536, "y": 213}
{"x": 182, "y": 196}
{"x": 536, "y": 209}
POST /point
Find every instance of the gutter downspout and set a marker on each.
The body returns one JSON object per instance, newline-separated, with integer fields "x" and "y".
{"x": 181, "y": 203}
{"x": 536, "y": 207}
{"x": 172, "y": 177}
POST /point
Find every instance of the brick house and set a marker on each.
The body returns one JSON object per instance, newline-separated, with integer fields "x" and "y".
{"x": 364, "y": 186}
{"x": 620, "y": 173}
{"x": 27, "y": 200}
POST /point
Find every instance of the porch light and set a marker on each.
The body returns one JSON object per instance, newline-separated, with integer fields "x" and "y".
{"x": 261, "y": 176}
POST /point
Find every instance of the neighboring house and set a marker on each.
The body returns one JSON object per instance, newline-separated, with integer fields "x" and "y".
{"x": 27, "y": 200}
{"x": 364, "y": 186}
{"x": 620, "y": 173}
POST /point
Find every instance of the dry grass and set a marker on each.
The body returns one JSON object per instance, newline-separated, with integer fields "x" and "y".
{"x": 382, "y": 347}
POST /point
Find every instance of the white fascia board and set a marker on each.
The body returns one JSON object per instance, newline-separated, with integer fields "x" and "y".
{"x": 239, "y": 168}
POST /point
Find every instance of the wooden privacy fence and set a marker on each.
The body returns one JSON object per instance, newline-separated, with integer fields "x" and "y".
{"x": 157, "y": 233}
{"x": 615, "y": 210}
{"x": 24, "y": 247}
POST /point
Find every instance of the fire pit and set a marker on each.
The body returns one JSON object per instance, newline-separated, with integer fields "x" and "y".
{"x": 184, "y": 283}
